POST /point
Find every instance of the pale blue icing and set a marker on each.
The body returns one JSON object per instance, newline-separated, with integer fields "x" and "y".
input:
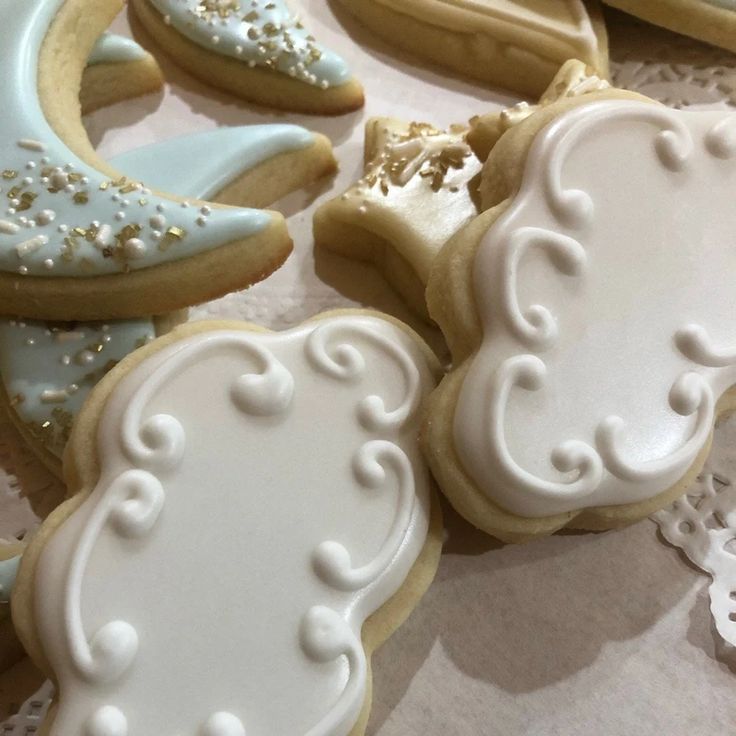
{"x": 8, "y": 573}
{"x": 201, "y": 164}
{"x": 728, "y": 4}
{"x": 48, "y": 370}
{"x": 260, "y": 32}
{"x": 61, "y": 217}
{"x": 113, "y": 49}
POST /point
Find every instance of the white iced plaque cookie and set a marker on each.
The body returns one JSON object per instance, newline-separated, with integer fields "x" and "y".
{"x": 418, "y": 189}
{"x": 263, "y": 490}
{"x": 518, "y": 44}
{"x": 601, "y": 346}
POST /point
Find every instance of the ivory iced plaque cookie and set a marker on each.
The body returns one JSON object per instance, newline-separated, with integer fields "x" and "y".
{"x": 419, "y": 188}
{"x": 518, "y": 44}
{"x": 78, "y": 240}
{"x": 258, "y": 50}
{"x": 713, "y": 21}
{"x": 590, "y": 316}
{"x": 117, "y": 69}
{"x": 199, "y": 452}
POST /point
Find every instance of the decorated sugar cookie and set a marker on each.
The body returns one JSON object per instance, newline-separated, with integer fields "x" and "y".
{"x": 117, "y": 69}
{"x": 258, "y": 50}
{"x": 517, "y": 44}
{"x": 197, "y": 453}
{"x": 419, "y": 188}
{"x": 48, "y": 369}
{"x": 590, "y": 317}
{"x": 713, "y": 21}
{"x": 78, "y": 240}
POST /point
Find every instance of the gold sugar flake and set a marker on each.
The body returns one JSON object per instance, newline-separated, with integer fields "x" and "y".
{"x": 9, "y": 174}
{"x": 170, "y": 237}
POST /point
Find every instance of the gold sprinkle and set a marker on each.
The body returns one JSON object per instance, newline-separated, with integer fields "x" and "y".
{"x": 9, "y": 174}
{"x": 81, "y": 198}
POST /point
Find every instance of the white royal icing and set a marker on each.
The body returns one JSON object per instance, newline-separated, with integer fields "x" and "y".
{"x": 606, "y": 299}
{"x": 232, "y": 505}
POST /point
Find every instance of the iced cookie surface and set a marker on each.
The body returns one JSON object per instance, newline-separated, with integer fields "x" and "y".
{"x": 105, "y": 592}
{"x": 593, "y": 365}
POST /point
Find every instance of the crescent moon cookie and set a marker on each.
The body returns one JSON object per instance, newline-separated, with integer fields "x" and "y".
{"x": 78, "y": 240}
{"x": 117, "y": 69}
{"x": 590, "y": 317}
{"x": 258, "y": 50}
{"x": 713, "y": 21}
{"x": 419, "y": 188}
{"x": 198, "y": 452}
{"x": 517, "y": 44}
{"x": 47, "y": 369}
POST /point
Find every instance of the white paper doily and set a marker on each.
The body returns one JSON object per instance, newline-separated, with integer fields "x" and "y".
{"x": 435, "y": 675}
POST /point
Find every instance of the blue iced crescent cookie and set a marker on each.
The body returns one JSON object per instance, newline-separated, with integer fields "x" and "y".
{"x": 258, "y": 49}
{"x": 263, "y": 33}
{"x": 60, "y": 218}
